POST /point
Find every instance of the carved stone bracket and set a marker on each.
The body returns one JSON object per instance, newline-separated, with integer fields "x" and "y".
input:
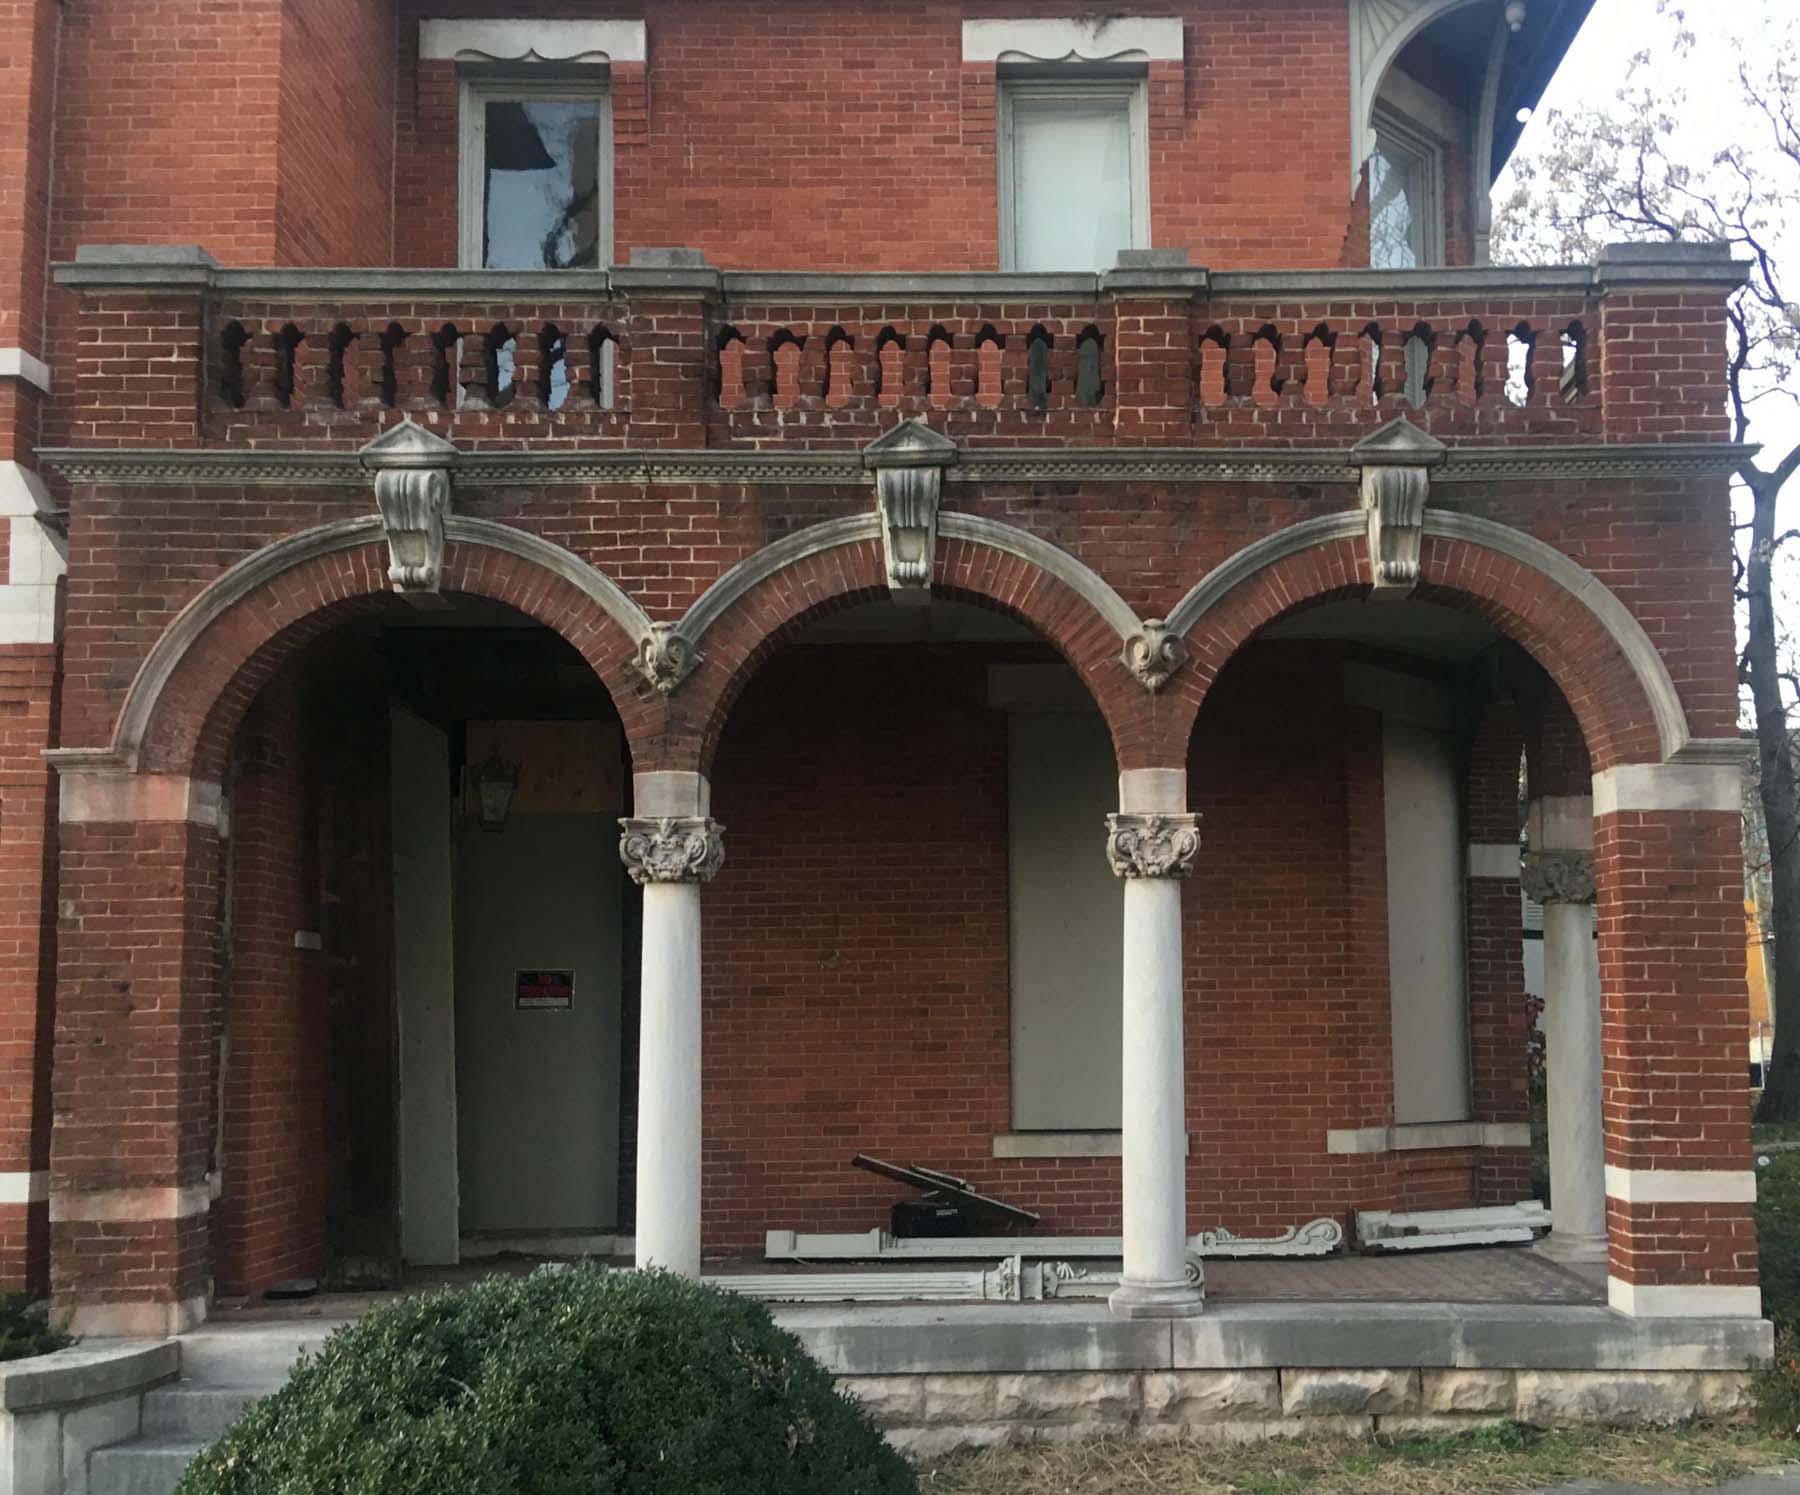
{"x": 666, "y": 657}
{"x": 909, "y": 464}
{"x": 1153, "y": 654}
{"x": 1152, "y": 845}
{"x": 1557, "y": 876}
{"x": 671, "y": 848}
{"x": 412, "y": 469}
{"x": 1396, "y": 482}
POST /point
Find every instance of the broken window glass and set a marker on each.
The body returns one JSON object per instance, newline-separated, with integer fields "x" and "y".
{"x": 541, "y": 166}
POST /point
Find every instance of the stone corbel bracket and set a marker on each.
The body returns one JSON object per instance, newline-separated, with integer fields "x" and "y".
{"x": 909, "y": 463}
{"x": 1396, "y": 464}
{"x": 412, "y": 469}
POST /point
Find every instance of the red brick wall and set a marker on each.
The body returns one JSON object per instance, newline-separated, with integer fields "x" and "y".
{"x": 28, "y": 697}
{"x": 335, "y": 145}
{"x": 28, "y": 34}
{"x": 271, "y": 1216}
{"x": 851, "y": 137}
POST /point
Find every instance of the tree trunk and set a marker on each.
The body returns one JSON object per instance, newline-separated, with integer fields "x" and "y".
{"x": 1781, "y": 812}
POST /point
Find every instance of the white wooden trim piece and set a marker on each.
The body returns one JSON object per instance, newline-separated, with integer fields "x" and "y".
{"x": 1494, "y": 859}
{"x": 1656, "y": 787}
{"x": 1680, "y": 1185}
{"x": 1682, "y": 1300}
{"x": 24, "y": 1188}
{"x": 1318, "y": 1237}
{"x": 16, "y": 363}
{"x": 114, "y": 1206}
{"x": 532, "y": 41}
{"x": 1424, "y": 1230}
{"x": 1073, "y": 39}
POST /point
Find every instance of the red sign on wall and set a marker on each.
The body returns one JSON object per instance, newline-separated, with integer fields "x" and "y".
{"x": 543, "y": 991}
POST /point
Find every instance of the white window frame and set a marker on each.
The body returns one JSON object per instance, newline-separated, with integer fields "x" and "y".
{"x": 1393, "y": 128}
{"x": 1132, "y": 91}
{"x": 477, "y": 94}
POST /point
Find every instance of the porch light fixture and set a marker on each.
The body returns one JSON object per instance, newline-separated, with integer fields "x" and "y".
{"x": 1515, "y": 14}
{"x": 495, "y": 782}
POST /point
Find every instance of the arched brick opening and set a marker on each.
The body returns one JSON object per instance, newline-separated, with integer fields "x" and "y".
{"x": 190, "y": 724}
{"x": 1617, "y": 718}
{"x": 781, "y": 606}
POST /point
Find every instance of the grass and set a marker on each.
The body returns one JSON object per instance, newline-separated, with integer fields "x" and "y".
{"x": 1506, "y": 1457}
{"x": 1763, "y": 1132}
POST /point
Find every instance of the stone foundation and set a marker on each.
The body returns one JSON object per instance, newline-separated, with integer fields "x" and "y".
{"x": 928, "y": 1415}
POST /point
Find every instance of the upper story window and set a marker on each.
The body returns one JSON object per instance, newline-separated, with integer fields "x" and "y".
{"x": 536, "y": 186}
{"x": 1074, "y": 174}
{"x": 1406, "y": 196}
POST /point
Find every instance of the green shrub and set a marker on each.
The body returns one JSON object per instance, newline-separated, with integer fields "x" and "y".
{"x": 26, "y": 1330}
{"x": 1778, "y": 1238}
{"x": 1776, "y": 1389}
{"x": 570, "y": 1381}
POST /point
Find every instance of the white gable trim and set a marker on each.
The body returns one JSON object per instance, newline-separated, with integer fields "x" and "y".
{"x": 532, "y": 41}
{"x": 1068, "y": 39}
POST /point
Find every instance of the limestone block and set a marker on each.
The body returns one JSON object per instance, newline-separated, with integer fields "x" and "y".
{"x": 959, "y": 1399}
{"x": 88, "y": 1428}
{"x": 1061, "y": 1396}
{"x": 1348, "y": 1393}
{"x": 888, "y": 1399}
{"x": 1182, "y": 1396}
{"x": 1437, "y": 1424}
{"x": 1256, "y": 1432}
{"x": 1556, "y": 1398}
{"x": 1722, "y": 1393}
{"x": 1468, "y": 1390}
{"x": 30, "y": 1453}
{"x": 923, "y": 1444}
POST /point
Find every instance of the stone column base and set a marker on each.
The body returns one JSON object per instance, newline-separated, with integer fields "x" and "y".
{"x": 1156, "y": 1300}
{"x": 1572, "y": 1248}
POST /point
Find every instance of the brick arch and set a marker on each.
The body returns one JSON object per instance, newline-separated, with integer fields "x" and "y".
{"x": 186, "y": 724}
{"x": 1580, "y": 634}
{"x": 780, "y": 605}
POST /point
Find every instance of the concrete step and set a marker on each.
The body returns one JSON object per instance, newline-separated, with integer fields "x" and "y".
{"x": 142, "y": 1466}
{"x": 196, "y": 1412}
{"x": 249, "y": 1354}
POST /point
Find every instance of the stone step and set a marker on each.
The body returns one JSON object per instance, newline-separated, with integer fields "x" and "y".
{"x": 142, "y": 1466}
{"x": 193, "y": 1411}
{"x": 240, "y": 1355}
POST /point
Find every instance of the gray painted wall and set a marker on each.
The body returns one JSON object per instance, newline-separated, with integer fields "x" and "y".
{"x": 538, "y": 1120}
{"x": 424, "y": 987}
{"x": 1067, "y": 922}
{"x": 1425, "y": 923}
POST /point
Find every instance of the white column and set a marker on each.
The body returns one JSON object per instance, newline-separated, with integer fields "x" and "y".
{"x": 670, "y": 856}
{"x": 1559, "y": 874}
{"x": 1152, "y": 844}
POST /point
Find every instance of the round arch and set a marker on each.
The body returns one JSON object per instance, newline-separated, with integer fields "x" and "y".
{"x": 207, "y": 665}
{"x": 769, "y": 597}
{"x": 1563, "y": 615}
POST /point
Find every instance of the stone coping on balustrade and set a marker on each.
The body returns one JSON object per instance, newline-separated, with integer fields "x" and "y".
{"x": 872, "y": 1340}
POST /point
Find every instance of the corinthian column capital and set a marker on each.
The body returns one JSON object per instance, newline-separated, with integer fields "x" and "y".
{"x": 1557, "y": 876}
{"x": 1152, "y": 845}
{"x": 671, "y": 848}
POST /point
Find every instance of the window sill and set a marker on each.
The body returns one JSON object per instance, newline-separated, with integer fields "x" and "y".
{"x": 1065, "y": 1145}
{"x": 1423, "y": 1136}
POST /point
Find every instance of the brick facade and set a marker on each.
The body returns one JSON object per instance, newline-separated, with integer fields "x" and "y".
{"x": 855, "y": 972}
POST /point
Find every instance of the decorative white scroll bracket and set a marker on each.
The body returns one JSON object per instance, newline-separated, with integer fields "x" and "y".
{"x": 908, "y": 463}
{"x": 1396, "y": 464}
{"x": 412, "y": 470}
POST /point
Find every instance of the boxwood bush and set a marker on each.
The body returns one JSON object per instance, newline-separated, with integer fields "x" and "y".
{"x": 569, "y": 1381}
{"x": 25, "y": 1329}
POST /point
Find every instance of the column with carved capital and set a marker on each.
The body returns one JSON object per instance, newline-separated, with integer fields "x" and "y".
{"x": 1560, "y": 877}
{"x": 670, "y": 856}
{"x": 1151, "y": 844}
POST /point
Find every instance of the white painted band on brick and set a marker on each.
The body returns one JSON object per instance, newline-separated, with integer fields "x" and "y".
{"x": 1680, "y": 1185}
{"x": 1068, "y": 39}
{"x": 34, "y": 558}
{"x": 1347, "y": 1140}
{"x": 134, "y": 798}
{"x": 16, "y": 363}
{"x": 1153, "y": 791}
{"x": 149, "y": 1319}
{"x": 1653, "y": 787}
{"x": 1658, "y": 1300}
{"x": 532, "y": 41}
{"x": 1494, "y": 859}
{"x": 24, "y": 1188}
{"x": 112, "y": 1206}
